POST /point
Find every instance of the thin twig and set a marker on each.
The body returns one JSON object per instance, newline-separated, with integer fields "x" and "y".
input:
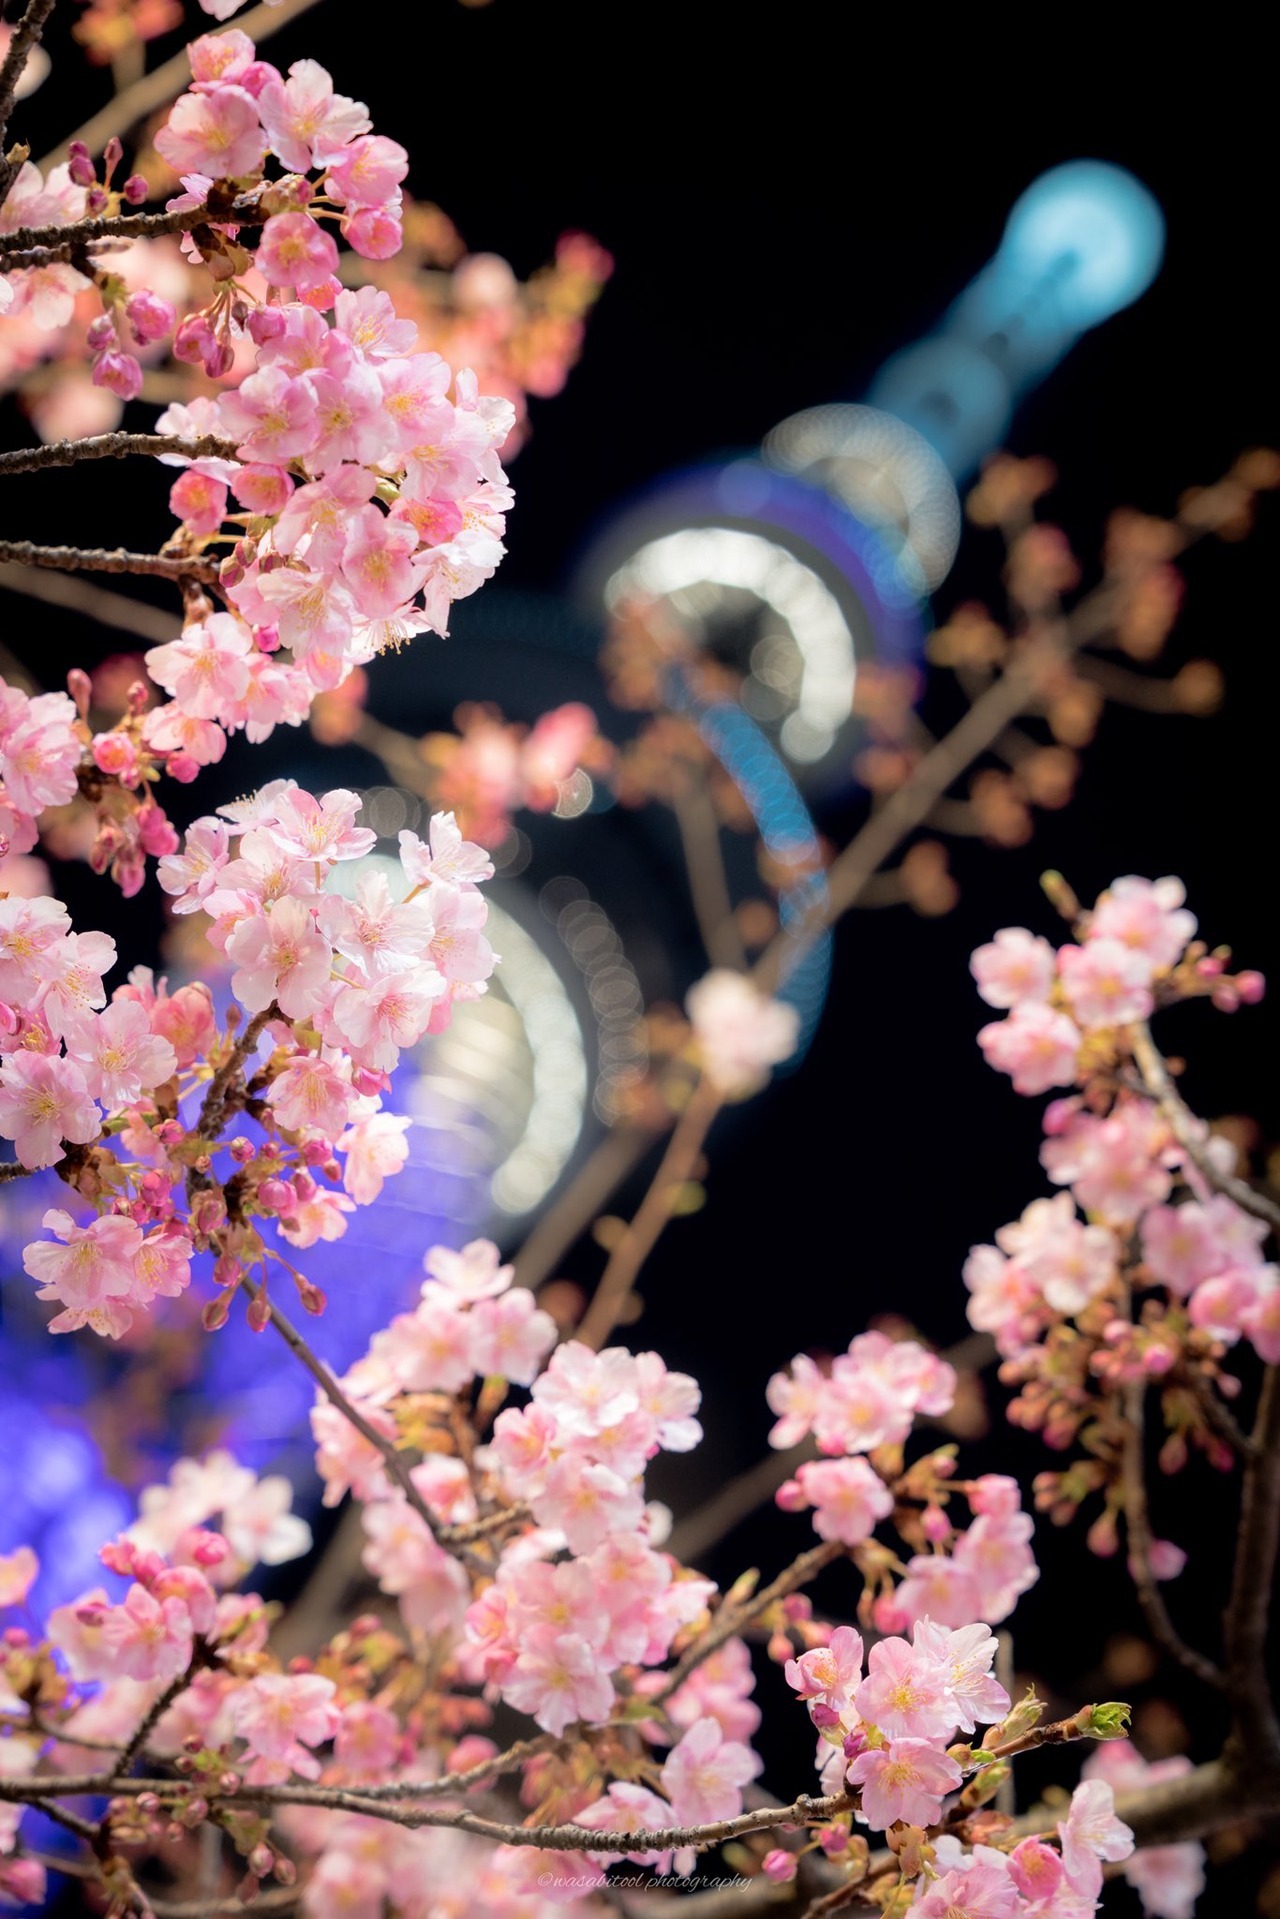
{"x": 114, "y": 446}
{"x": 97, "y": 559}
{"x": 1138, "y": 1523}
{"x": 708, "y": 882}
{"x": 1185, "y": 1128}
{"x": 629, "y": 1255}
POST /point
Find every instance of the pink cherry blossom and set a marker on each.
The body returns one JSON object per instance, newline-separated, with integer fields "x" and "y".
{"x": 907, "y": 1691}
{"x": 206, "y": 670}
{"x": 146, "y": 1637}
{"x": 1106, "y": 983}
{"x": 907, "y": 1779}
{"x": 1016, "y": 967}
{"x": 1091, "y": 1833}
{"x": 704, "y": 1774}
{"x": 279, "y": 955}
{"x": 374, "y": 1147}
{"x": 740, "y": 1032}
{"x": 966, "y": 1655}
{"x": 44, "y": 1101}
{"x": 1148, "y": 916}
{"x": 510, "y": 1337}
{"x": 983, "y": 1890}
{"x": 120, "y": 1056}
{"x": 306, "y": 122}
{"x": 216, "y": 133}
{"x": 557, "y": 1679}
{"x": 1036, "y": 1046}
{"x": 472, "y": 1274}
{"x": 295, "y": 252}
{"x": 279, "y": 1716}
{"x": 848, "y": 1498}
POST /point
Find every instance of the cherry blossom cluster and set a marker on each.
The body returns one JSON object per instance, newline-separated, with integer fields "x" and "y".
{"x": 1140, "y": 1270}
{"x": 860, "y": 1410}
{"x": 338, "y": 984}
{"x": 491, "y": 769}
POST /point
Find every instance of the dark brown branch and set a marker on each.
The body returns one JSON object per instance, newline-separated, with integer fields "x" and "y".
{"x": 113, "y": 446}
{"x": 1257, "y": 1732}
{"x": 26, "y": 37}
{"x": 96, "y": 559}
{"x": 65, "y": 239}
{"x": 1138, "y": 1523}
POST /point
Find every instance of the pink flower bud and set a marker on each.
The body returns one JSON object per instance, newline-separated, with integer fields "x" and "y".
{"x": 937, "y": 1526}
{"x": 112, "y": 155}
{"x": 100, "y": 333}
{"x": 95, "y": 200}
{"x": 266, "y": 324}
{"x": 278, "y": 1196}
{"x": 1165, "y": 1559}
{"x": 1251, "y": 987}
{"x": 134, "y": 190}
{"x": 888, "y": 1616}
{"x": 156, "y": 830}
{"x": 150, "y": 317}
{"x": 374, "y": 232}
{"x": 242, "y": 1150}
{"x": 779, "y": 1866}
{"x": 834, "y": 1841}
{"x": 313, "y": 1300}
{"x": 80, "y": 164}
{"x": 181, "y": 767}
{"x": 259, "y": 1313}
{"x": 80, "y": 687}
{"x": 119, "y": 372}
{"x": 791, "y": 1497}
{"x": 192, "y": 339}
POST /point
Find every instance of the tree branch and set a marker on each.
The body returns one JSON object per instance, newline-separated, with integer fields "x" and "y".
{"x": 1186, "y": 1130}
{"x": 629, "y": 1255}
{"x": 64, "y": 239}
{"x": 1249, "y": 1609}
{"x": 26, "y": 37}
{"x": 113, "y": 446}
{"x": 1138, "y": 1523}
{"x": 96, "y": 559}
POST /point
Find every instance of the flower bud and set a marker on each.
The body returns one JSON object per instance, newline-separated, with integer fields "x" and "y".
{"x": 1108, "y": 1721}
{"x": 80, "y": 165}
{"x": 779, "y": 1866}
{"x": 134, "y": 190}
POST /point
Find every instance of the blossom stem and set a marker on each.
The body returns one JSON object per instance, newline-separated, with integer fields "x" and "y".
{"x": 113, "y": 446}
{"x": 97, "y": 559}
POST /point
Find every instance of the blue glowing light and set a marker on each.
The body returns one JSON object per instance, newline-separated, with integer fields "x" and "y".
{"x": 1089, "y": 231}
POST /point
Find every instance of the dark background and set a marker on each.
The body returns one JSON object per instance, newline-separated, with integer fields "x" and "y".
{"x": 786, "y": 207}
